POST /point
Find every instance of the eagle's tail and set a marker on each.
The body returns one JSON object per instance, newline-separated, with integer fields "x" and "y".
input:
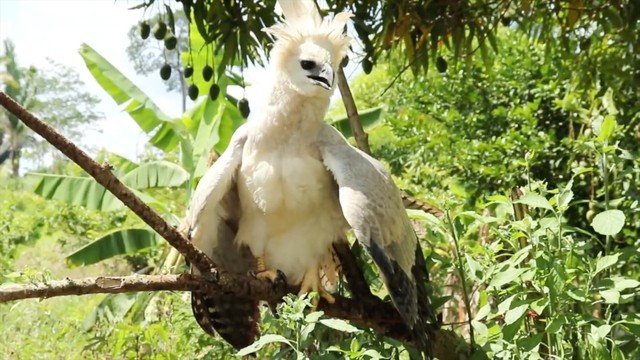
{"x": 232, "y": 317}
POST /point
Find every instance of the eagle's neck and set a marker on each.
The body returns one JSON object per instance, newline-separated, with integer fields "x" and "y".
{"x": 287, "y": 110}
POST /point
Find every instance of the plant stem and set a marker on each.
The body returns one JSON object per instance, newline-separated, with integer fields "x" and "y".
{"x": 605, "y": 179}
{"x": 465, "y": 294}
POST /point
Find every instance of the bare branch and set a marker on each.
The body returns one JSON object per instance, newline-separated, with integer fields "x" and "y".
{"x": 102, "y": 174}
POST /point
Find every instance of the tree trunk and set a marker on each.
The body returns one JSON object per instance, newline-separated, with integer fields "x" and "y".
{"x": 15, "y": 162}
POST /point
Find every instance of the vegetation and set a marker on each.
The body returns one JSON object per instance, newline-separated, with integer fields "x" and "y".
{"x": 55, "y": 93}
{"x": 531, "y": 146}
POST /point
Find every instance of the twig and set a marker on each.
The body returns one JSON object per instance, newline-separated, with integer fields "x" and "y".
{"x": 465, "y": 293}
{"x": 102, "y": 174}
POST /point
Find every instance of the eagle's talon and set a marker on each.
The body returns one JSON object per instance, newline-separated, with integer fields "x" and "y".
{"x": 211, "y": 277}
{"x": 281, "y": 278}
{"x": 272, "y": 275}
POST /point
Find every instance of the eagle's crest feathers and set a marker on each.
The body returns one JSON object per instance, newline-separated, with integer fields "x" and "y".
{"x": 304, "y": 23}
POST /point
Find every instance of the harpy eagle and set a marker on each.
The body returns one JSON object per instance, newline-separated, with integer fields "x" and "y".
{"x": 289, "y": 186}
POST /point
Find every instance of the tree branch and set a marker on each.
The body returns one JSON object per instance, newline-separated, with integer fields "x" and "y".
{"x": 102, "y": 174}
{"x": 379, "y": 316}
{"x": 362, "y": 139}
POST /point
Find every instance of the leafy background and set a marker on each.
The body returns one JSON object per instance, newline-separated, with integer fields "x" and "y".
{"x": 544, "y": 100}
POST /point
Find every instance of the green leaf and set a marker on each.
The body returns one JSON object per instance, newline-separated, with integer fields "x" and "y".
{"x": 535, "y": 200}
{"x": 621, "y": 284}
{"x": 313, "y": 316}
{"x": 481, "y": 330}
{"x": 610, "y": 296}
{"x": 339, "y": 325}
{"x": 475, "y": 269}
{"x": 118, "y": 242}
{"x": 369, "y": 118}
{"x": 608, "y": 222}
{"x": 607, "y": 128}
{"x": 515, "y": 314}
{"x": 137, "y": 104}
{"x": 601, "y": 331}
{"x": 505, "y": 277}
{"x": 261, "y": 342}
{"x": 81, "y": 191}
{"x": 556, "y": 324}
{"x": 156, "y": 174}
{"x": 608, "y": 103}
{"x": 606, "y": 262}
{"x": 564, "y": 198}
{"x": 531, "y": 342}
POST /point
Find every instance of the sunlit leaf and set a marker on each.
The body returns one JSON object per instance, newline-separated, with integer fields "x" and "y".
{"x": 339, "y": 325}
{"x": 606, "y": 262}
{"x": 610, "y": 296}
{"x": 608, "y": 222}
{"x": 261, "y": 342}
{"x": 534, "y": 200}
{"x": 82, "y": 191}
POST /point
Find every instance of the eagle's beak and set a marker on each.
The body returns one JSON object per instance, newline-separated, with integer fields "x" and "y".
{"x": 324, "y": 76}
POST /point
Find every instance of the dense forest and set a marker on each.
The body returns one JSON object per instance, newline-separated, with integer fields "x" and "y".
{"x": 517, "y": 124}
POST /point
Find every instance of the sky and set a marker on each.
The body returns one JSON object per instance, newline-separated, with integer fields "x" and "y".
{"x": 42, "y": 29}
{"x": 55, "y": 29}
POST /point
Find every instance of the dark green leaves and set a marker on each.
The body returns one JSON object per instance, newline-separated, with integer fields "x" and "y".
{"x": 118, "y": 242}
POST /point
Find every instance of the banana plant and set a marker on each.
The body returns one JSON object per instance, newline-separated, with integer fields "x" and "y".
{"x": 208, "y": 125}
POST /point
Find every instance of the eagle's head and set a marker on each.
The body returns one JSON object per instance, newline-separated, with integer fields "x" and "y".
{"x": 308, "y": 50}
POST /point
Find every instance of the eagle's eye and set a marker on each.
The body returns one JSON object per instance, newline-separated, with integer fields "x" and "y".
{"x": 307, "y": 64}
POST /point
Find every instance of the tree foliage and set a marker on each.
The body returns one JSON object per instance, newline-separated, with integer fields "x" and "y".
{"x": 55, "y": 93}
{"x": 520, "y": 118}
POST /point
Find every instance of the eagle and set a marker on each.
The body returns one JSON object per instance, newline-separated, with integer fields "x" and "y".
{"x": 289, "y": 186}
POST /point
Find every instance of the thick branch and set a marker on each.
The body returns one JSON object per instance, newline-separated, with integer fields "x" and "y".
{"x": 377, "y": 315}
{"x": 102, "y": 174}
{"x": 220, "y": 281}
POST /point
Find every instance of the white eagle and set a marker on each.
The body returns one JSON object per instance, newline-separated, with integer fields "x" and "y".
{"x": 289, "y": 186}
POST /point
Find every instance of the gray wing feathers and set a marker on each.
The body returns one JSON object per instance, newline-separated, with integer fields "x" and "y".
{"x": 372, "y": 205}
{"x": 370, "y": 201}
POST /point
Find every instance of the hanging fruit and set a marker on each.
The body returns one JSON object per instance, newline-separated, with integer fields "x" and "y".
{"x": 170, "y": 42}
{"x": 214, "y": 91}
{"x": 165, "y": 72}
{"x": 243, "y": 106}
{"x": 441, "y": 64}
{"x": 145, "y": 30}
{"x": 188, "y": 71}
{"x": 207, "y": 73}
{"x": 193, "y": 92}
{"x": 160, "y": 30}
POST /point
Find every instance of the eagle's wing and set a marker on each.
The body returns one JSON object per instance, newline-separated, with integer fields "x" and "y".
{"x": 372, "y": 205}
{"x": 212, "y": 223}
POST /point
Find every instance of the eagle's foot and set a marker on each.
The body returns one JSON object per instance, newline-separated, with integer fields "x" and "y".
{"x": 311, "y": 282}
{"x": 276, "y": 277}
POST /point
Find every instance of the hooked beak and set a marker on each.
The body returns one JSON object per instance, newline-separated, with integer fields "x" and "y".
{"x": 323, "y": 76}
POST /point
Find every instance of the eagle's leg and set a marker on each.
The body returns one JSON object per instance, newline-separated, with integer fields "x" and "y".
{"x": 263, "y": 273}
{"x": 311, "y": 282}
